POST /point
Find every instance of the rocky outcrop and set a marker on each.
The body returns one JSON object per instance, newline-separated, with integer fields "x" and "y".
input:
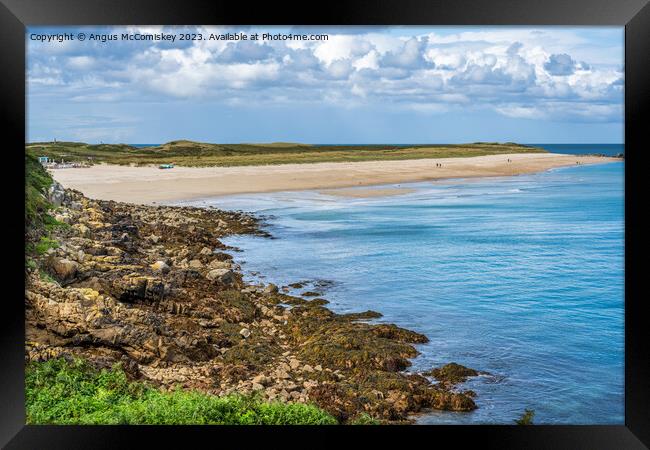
{"x": 152, "y": 287}
{"x": 452, "y": 374}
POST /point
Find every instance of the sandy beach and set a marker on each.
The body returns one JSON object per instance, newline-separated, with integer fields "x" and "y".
{"x": 147, "y": 185}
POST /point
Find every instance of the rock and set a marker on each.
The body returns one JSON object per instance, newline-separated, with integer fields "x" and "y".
{"x": 282, "y": 374}
{"x": 195, "y": 264}
{"x": 62, "y": 218}
{"x": 452, "y": 373}
{"x": 81, "y": 229}
{"x": 290, "y": 386}
{"x": 90, "y": 294}
{"x": 130, "y": 289}
{"x": 307, "y": 368}
{"x": 206, "y": 251}
{"x": 271, "y": 289}
{"x": 245, "y": 332}
{"x": 261, "y": 379}
{"x": 217, "y": 264}
{"x": 160, "y": 266}
{"x": 225, "y": 276}
{"x": 294, "y": 364}
{"x": 64, "y": 269}
{"x": 77, "y": 206}
{"x": 310, "y": 384}
{"x": 257, "y": 387}
{"x": 56, "y": 194}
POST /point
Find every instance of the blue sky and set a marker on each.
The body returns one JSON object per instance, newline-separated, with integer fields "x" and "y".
{"x": 362, "y": 85}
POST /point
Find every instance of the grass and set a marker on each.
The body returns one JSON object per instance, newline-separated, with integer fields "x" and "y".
{"x": 189, "y": 153}
{"x": 39, "y": 223}
{"x": 365, "y": 419}
{"x": 61, "y": 392}
{"x": 44, "y": 244}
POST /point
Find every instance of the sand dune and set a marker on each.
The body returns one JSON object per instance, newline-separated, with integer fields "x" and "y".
{"x": 152, "y": 185}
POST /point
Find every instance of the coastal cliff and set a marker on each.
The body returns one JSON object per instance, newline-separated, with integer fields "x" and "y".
{"x": 154, "y": 289}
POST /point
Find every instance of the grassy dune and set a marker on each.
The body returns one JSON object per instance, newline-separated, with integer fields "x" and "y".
{"x": 189, "y": 153}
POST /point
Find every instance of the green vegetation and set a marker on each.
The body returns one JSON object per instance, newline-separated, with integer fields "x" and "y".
{"x": 188, "y": 153}
{"x": 37, "y": 182}
{"x": 44, "y": 244}
{"x": 62, "y": 392}
{"x": 30, "y": 264}
{"x": 44, "y": 276}
{"x": 38, "y": 221}
{"x": 365, "y": 419}
{"x": 526, "y": 418}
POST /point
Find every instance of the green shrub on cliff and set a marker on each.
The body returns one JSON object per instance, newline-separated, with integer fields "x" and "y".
{"x": 60, "y": 392}
{"x": 44, "y": 244}
{"x": 37, "y": 182}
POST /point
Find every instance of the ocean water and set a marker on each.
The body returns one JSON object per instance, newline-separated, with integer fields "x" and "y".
{"x": 581, "y": 149}
{"x": 521, "y": 277}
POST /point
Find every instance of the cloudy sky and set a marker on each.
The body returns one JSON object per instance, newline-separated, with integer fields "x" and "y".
{"x": 362, "y": 85}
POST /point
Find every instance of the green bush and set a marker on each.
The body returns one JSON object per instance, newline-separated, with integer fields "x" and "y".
{"x": 60, "y": 392}
{"x": 44, "y": 244}
{"x": 526, "y": 418}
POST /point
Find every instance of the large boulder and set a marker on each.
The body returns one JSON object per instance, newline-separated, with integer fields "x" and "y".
{"x": 56, "y": 194}
{"x": 217, "y": 264}
{"x": 195, "y": 264}
{"x": 132, "y": 289}
{"x": 225, "y": 276}
{"x": 64, "y": 269}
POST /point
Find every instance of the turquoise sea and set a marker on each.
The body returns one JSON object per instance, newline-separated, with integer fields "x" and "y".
{"x": 521, "y": 277}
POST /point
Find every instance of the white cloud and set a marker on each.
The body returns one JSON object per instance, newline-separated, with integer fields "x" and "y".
{"x": 515, "y": 72}
{"x": 81, "y": 62}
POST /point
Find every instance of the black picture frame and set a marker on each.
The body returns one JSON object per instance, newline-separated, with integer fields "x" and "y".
{"x": 15, "y": 15}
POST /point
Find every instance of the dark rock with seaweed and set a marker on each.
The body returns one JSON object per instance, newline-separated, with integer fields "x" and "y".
{"x": 452, "y": 374}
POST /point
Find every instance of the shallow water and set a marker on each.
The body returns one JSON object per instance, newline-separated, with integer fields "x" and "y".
{"x": 521, "y": 277}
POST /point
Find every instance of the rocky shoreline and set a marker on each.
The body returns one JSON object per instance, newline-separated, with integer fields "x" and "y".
{"x": 153, "y": 288}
